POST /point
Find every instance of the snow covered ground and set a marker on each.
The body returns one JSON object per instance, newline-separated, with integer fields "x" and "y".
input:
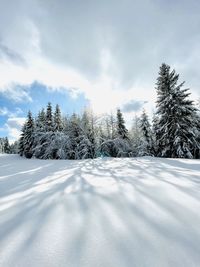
{"x": 99, "y": 213}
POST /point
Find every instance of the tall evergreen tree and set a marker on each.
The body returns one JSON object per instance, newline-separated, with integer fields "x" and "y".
{"x": 1, "y": 145}
{"x": 14, "y": 147}
{"x": 87, "y": 136}
{"x": 21, "y": 141}
{"x": 155, "y": 128}
{"x": 6, "y": 146}
{"x": 117, "y": 142}
{"x": 175, "y": 135}
{"x": 40, "y": 135}
{"x": 40, "y": 121}
{"x": 74, "y": 133}
{"x": 121, "y": 128}
{"x": 146, "y": 142}
{"x": 28, "y": 138}
{"x": 49, "y": 118}
{"x": 58, "y": 126}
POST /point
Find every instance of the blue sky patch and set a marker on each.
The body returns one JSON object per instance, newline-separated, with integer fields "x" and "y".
{"x": 38, "y": 97}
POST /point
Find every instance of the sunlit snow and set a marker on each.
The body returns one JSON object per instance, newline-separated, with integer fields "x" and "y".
{"x": 141, "y": 212}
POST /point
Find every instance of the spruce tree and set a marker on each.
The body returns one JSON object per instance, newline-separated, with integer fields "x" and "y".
{"x": 14, "y": 147}
{"x": 74, "y": 132}
{"x": 146, "y": 142}
{"x": 49, "y": 118}
{"x": 21, "y": 141}
{"x": 58, "y": 126}
{"x": 87, "y": 136}
{"x": 121, "y": 128}
{"x": 6, "y": 146}
{"x": 28, "y": 138}
{"x": 40, "y": 137}
{"x": 41, "y": 121}
{"x": 121, "y": 145}
{"x": 175, "y": 127}
{"x": 155, "y": 127}
{"x": 1, "y": 145}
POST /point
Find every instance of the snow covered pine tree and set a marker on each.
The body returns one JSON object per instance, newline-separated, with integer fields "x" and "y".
{"x": 21, "y": 141}
{"x": 57, "y": 119}
{"x": 6, "y": 146}
{"x": 28, "y": 138}
{"x": 122, "y": 143}
{"x": 176, "y": 113}
{"x": 146, "y": 138}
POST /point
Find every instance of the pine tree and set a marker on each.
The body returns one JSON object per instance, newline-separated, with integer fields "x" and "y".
{"x": 28, "y": 138}
{"x": 87, "y": 136}
{"x": 175, "y": 127}
{"x": 155, "y": 128}
{"x": 41, "y": 121}
{"x": 1, "y": 145}
{"x": 40, "y": 135}
{"x": 146, "y": 144}
{"x": 58, "y": 126}
{"x": 6, "y": 146}
{"x": 21, "y": 141}
{"x": 14, "y": 147}
{"x": 116, "y": 142}
{"x": 121, "y": 128}
{"x": 49, "y": 118}
{"x": 74, "y": 132}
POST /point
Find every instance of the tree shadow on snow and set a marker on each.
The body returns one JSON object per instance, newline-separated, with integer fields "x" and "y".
{"x": 92, "y": 206}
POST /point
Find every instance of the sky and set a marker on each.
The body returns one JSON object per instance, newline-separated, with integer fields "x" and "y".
{"x": 103, "y": 54}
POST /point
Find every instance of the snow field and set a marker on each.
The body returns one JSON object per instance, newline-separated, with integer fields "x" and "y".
{"x": 127, "y": 212}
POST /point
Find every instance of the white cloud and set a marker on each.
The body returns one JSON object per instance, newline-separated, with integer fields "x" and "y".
{"x": 133, "y": 106}
{"x": 109, "y": 50}
{"x": 16, "y": 92}
{"x": 13, "y": 126}
{"x": 4, "y": 111}
{"x": 104, "y": 92}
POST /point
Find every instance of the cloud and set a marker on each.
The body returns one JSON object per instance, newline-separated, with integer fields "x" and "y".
{"x": 11, "y": 55}
{"x": 17, "y": 93}
{"x": 13, "y": 126}
{"x": 5, "y": 112}
{"x": 108, "y": 50}
{"x": 133, "y": 105}
{"x": 77, "y": 33}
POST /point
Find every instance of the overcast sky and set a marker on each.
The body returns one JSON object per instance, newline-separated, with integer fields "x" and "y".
{"x": 105, "y": 53}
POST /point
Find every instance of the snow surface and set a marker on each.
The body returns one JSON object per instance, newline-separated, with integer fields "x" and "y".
{"x": 99, "y": 213}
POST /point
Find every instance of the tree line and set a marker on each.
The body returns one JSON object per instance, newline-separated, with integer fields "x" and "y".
{"x": 4, "y": 145}
{"x": 174, "y": 131}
